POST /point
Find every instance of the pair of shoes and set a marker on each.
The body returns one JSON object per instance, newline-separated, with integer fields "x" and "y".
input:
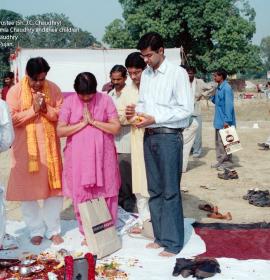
{"x": 256, "y": 197}
{"x": 228, "y": 174}
{"x": 264, "y": 146}
{"x": 199, "y": 267}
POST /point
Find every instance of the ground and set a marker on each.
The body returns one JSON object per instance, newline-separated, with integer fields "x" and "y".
{"x": 251, "y": 163}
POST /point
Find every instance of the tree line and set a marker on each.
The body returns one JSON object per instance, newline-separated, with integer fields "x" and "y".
{"x": 213, "y": 33}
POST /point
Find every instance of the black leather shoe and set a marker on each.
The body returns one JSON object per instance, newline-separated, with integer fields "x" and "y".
{"x": 182, "y": 263}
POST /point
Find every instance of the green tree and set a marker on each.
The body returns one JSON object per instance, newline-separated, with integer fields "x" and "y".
{"x": 8, "y": 21}
{"x": 265, "y": 51}
{"x": 214, "y": 33}
{"x": 64, "y": 35}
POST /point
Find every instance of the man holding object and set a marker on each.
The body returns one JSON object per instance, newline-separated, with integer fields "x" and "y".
{"x": 165, "y": 105}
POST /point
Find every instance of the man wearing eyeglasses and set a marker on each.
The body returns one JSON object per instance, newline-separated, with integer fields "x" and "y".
{"x": 164, "y": 106}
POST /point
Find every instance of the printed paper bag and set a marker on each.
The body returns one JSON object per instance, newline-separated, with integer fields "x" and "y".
{"x": 230, "y": 140}
{"x": 99, "y": 229}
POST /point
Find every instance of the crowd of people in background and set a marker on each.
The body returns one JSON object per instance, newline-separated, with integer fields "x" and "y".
{"x": 129, "y": 144}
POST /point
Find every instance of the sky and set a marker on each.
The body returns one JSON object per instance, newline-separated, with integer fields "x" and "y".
{"x": 94, "y": 15}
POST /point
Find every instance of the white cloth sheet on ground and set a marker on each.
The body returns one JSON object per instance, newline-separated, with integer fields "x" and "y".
{"x": 149, "y": 266}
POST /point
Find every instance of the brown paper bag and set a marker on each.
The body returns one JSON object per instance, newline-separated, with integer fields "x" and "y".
{"x": 230, "y": 140}
{"x": 99, "y": 229}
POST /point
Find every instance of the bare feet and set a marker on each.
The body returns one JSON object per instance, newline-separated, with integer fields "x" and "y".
{"x": 166, "y": 254}
{"x": 153, "y": 245}
{"x": 36, "y": 240}
{"x": 57, "y": 239}
{"x": 84, "y": 243}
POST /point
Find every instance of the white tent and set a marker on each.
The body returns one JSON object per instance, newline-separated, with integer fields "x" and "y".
{"x": 67, "y": 63}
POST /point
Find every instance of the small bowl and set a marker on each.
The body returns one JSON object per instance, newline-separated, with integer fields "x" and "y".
{"x": 25, "y": 271}
{"x": 27, "y": 262}
{"x": 14, "y": 268}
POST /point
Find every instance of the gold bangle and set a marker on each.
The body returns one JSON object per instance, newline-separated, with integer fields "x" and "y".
{"x": 93, "y": 123}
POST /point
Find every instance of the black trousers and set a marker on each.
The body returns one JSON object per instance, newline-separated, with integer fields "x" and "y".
{"x": 126, "y": 199}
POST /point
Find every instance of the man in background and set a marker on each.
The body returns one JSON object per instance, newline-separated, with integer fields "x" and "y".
{"x": 8, "y": 82}
{"x": 224, "y": 117}
{"x": 200, "y": 90}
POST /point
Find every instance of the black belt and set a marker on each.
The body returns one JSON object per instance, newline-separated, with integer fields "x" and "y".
{"x": 162, "y": 130}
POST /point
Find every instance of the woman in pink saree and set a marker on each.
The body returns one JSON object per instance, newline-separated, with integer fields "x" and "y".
{"x": 89, "y": 120}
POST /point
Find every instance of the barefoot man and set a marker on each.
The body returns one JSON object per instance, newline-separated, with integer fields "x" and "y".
{"x": 36, "y": 164}
{"x": 165, "y": 105}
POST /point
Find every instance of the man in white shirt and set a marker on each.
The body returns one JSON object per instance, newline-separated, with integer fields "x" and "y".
{"x": 165, "y": 106}
{"x": 201, "y": 90}
{"x": 6, "y": 139}
{"x": 127, "y": 199}
{"x": 6, "y": 128}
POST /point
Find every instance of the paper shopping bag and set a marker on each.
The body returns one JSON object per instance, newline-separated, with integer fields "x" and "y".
{"x": 230, "y": 140}
{"x": 99, "y": 229}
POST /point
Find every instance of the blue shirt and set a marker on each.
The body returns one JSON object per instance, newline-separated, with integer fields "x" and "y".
{"x": 224, "y": 108}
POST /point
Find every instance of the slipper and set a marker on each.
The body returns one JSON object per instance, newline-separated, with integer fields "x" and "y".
{"x": 219, "y": 216}
{"x": 228, "y": 175}
{"x": 257, "y": 196}
{"x": 262, "y": 202}
{"x": 208, "y": 207}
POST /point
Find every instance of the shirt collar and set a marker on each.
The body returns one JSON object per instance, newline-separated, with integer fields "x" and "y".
{"x": 113, "y": 91}
{"x": 222, "y": 84}
{"x": 162, "y": 67}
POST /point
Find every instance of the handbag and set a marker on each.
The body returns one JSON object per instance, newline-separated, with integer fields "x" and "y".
{"x": 230, "y": 140}
{"x": 99, "y": 229}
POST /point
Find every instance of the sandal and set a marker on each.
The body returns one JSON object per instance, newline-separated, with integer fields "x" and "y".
{"x": 228, "y": 175}
{"x": 261, "y": 202}
{"x": 219, "y": 216}
{"x": 208, "y": 207}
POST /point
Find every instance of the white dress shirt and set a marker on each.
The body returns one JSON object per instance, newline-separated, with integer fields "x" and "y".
{"x": 122, "y": 140}
{"x": 6, "y": 128}
{"x": 165, "y": 95}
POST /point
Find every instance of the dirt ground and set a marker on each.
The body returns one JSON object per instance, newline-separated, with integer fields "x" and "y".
{"x": 251, "y": 163}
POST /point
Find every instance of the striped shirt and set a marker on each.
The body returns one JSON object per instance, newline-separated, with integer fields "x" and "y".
{"x": 165, "y": 95}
